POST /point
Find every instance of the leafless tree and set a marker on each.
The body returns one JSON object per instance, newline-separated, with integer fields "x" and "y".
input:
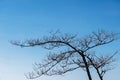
{"x": 101, "y": 64}
{"x": 72, "y": 52}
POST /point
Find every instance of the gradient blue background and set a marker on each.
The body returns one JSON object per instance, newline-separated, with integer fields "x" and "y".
{"x": 26, "y": 19}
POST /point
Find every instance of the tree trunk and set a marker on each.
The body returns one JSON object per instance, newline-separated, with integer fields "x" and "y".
{"x": 87, "y": 67}
{"x": 100, "y": 76}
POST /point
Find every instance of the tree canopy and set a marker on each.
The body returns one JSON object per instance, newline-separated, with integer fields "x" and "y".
{"x": 73, "y": 52}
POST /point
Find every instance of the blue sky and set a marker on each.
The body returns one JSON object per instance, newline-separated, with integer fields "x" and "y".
{"x": 26, "y": 19}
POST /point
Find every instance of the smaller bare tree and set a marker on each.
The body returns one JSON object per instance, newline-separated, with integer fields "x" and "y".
{"x": 101, "y": 64}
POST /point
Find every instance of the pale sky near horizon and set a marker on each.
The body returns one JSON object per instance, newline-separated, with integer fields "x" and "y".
{"x": 26, "y": 19}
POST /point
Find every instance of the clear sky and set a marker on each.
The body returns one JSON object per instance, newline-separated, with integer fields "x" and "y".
{"x": 26, "y": 19}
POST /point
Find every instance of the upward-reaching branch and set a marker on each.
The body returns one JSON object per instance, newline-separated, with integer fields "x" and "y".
{"x": 101, "y": 64}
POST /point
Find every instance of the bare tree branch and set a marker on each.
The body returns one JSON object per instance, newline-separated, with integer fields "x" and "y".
{"x": 101, "y": 64}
